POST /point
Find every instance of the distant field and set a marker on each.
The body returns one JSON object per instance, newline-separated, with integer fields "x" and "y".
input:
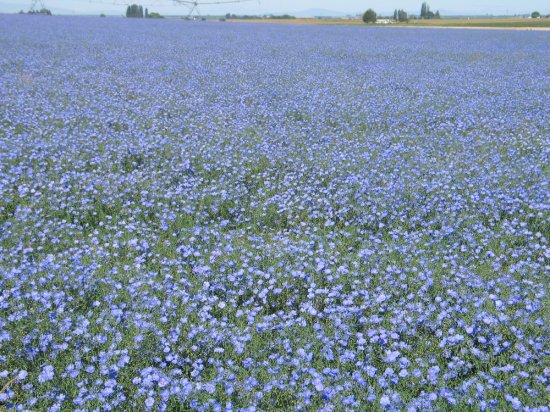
{"x": 520, "y": 23}
{"x": 490, "y": 23}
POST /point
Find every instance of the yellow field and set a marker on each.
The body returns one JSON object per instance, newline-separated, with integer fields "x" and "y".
{"x": 501, "y": 22}
{"x": 511, "y": 23}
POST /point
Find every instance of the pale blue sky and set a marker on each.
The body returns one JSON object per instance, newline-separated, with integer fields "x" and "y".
{"x": 447, "y": 7}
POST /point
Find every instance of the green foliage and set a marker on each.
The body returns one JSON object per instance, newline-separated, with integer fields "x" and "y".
{"x": 402, "y": 16}
{"x": 369, "y": 16}
{"x": 424, "y": 10}
{"x": 283, "y": 17}
{"x": 535, "y": 15}
{"x": 154, "y": 15}
{"x": 45, "y": 12}
{"x": 134, "y": 11}
{"x": 253, "y": 17}
{"x": 426, "y": 13}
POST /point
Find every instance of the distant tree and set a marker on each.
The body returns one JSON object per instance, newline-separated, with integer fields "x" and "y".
{"x": 102, "y": 15}
{"x": 437, "y": 15}
{"x": 46, "y": 12}
{"x": 535, "y": 15}
{"x": 281, "y": 17}
{"x": 369, "y": 16}
{"x": 146, "y": 13}
{"x": 424, "y": 10}
{"x": 134, "y": 11}
{"x": 154, "y": 15}
{"x": 426, "y": 13}
{"x": 395, "y": 15}
{"x": 402, "y": 16}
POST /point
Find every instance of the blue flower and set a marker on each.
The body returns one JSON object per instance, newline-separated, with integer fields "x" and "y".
{"x": 47, "y": 374}
{"x": 149, "y": 402}
{"x": 391, "y": 356}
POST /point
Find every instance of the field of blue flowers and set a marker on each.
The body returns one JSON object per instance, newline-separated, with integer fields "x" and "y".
{"x": 232, "y": 217}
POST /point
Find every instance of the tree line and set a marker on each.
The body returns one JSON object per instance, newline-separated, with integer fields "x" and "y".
{"x": 136, "y": 11}
{"x": 426, "y": 13}
{"x": 370, "y": 15}
{"x": 400, "y": 15}
{"x": 46, "y": 12}
{"x": 256, "y": 17}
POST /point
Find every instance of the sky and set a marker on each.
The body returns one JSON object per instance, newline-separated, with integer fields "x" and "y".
{"x": 352, "y": 7}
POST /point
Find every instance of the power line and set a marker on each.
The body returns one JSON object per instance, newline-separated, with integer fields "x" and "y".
{"x": 192, "y": 6}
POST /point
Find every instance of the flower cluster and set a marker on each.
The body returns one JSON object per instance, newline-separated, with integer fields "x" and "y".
{"x": 204, "y": 216}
